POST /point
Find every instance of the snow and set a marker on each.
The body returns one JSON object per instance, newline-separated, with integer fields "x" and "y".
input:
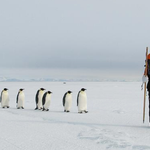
{"x": 114, "y": 121}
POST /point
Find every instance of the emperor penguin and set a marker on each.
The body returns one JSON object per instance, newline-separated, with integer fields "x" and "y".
{"x": 20, "y": 99}
{"x": 38, "y": 98}
{"x": 5, "y": 98}
{"x": 46, "y": 100}
{"x": 82, "y": 101}
{"x": 67, "y": 101}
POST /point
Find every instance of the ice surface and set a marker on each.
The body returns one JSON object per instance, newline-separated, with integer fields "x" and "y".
{"x": 114, "y": 121}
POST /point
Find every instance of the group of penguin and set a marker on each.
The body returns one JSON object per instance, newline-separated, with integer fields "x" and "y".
{"x": 43, "y": 100}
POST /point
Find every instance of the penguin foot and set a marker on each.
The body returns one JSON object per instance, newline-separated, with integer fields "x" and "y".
{"x": 67, "y": 111}
{"x": 80, "y": 112}
{"x": 86, "y": 111}
{"x": 3, "y": 107}
{"x": 18, "y": 107}
{"x": 43, "y": 109}
{"x": 22, "y": 107}
{"x": 36, "y": 108}
{"x": 47, "y": 110}
{"x": 40, "y": 108}
{"x": 7, "y": 106}
{"x": 64, "y": 110}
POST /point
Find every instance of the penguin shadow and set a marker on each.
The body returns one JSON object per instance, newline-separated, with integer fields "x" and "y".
{"x": 15, "y": 109}
{"x": 62, "y": 112}
{"x": 71, "y": 112}
{"x": 5, "y": 108}
{"x": 56, "y": 111}
{"x": 49, "y": 111}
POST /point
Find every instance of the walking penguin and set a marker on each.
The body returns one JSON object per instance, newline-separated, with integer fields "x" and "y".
{"x": 67, "y": 101}
{"x": 82, "y": 101}
{"x": 38, "y": 98}
{"x": 5, "y": 98}
{"x": 20, "y": 99}
{"x": 46, "y": 100}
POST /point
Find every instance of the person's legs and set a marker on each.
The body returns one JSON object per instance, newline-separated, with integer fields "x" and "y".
{"x": 148, "y": 88}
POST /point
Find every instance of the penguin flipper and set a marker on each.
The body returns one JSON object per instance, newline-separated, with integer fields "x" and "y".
{"x": 64, "y": 99}
{"x": 17, "y": 97}
{"x": 78, "y": 98}
{"x": 44, "y": 98}
{"x": 1, "y": 97}
{"x": 36, "y": 97}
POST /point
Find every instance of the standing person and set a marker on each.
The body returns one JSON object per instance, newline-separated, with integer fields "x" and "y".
{"x": 146, "y": 79}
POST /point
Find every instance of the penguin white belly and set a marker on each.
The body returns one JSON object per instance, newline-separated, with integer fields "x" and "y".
{"x": 40, "y": 99}
{"x": 47, "y": 101}
{"x": 82, "y": 102}
{"x": 5, "y": 99}
{"x": 21, "y": 100}
{"x": 68, "y": 102}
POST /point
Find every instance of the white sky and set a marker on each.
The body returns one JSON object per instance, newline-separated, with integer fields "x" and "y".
{"x": 74, "y": 33}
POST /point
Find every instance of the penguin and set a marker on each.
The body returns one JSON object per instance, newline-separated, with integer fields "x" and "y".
{"x": 82, "y": 101}
{"x": 20, "y": 99}
{"x": 67, "y": 101}
{"x": 5, "y": 98}
{"x": 46, "y": 100}
{"x": 38, "y": 98}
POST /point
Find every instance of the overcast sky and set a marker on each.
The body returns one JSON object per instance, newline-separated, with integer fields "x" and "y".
{"x": 74, "y": 33}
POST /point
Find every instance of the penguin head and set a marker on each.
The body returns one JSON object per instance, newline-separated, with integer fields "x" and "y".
{"x": 69, "y": 92}
{"x": 42, "y": 89}
{"x": 49, "y": 92}
{"x": 83, "y": 89}
{"x": 5, "y": 89}
{"x": 21, "y": 89}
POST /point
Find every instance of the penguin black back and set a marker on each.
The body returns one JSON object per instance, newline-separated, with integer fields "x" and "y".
{"x": 64, "y": 98}
{"x": 78, "y": 98}
{"x": 36, "y": 97}
{"x": 17, "y": 97}
{"x": 44, "y": 98}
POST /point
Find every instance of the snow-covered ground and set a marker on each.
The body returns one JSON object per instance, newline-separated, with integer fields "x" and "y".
{"x": 114, "y": 121}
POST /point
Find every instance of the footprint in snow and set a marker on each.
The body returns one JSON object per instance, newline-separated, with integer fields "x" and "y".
{"x": 108, "y": 138}
{"x": 140, "y": 147}
{"x": 118, "y": 111}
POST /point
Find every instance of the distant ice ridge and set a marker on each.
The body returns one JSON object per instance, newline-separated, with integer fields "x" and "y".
{"x": 5, "y": 79}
